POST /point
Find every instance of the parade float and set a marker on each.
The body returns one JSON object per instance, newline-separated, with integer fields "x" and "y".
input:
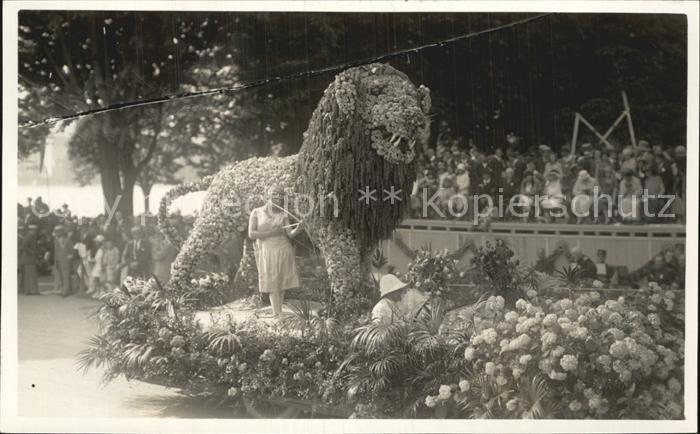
{"x": 496, "y": 341}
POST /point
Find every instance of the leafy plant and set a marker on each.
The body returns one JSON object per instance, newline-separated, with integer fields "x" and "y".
{"x": 504, "y": 273}
{"x": 432, "y": 272}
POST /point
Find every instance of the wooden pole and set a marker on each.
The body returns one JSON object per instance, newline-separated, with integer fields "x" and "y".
{"x": 590, "y": 127}
{"x": 575, "y": 135}
{"x": 615, "y": 124}
{"x": 629, "y": 118}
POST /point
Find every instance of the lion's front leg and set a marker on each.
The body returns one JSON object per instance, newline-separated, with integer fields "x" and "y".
{"x": 343, "y": 262}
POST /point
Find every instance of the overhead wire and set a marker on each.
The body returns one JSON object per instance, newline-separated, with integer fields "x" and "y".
{"x": 275, "y": 79}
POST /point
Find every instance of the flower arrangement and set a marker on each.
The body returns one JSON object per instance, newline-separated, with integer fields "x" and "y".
{"x": 589, "y": 358}
{"x": 431, "y": 271}
{"x": 549, "y": 355}
{"x": 507, "y": 278}
{"x": 207, "y": 290}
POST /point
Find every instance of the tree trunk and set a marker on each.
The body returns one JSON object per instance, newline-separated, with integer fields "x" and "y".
{"x": 146, "y": 189}
{"x": 126, "y": 205}
{"x": 109, "y": 171}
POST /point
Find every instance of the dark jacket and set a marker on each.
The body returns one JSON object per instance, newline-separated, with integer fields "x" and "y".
{"x": 141, "y": 255}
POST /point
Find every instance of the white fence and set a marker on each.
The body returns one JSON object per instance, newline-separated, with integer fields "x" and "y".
{"x": 628, "y": 245}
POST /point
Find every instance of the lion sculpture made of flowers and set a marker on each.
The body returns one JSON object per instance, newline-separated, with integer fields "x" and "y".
{"x": 361, "y": 137}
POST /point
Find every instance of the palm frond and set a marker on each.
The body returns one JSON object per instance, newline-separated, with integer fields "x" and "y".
{"x": 387, "y": 366}
{"x": 568, "y": 275}
{"x": 136, "y": 356}
{"x": 377, "y": 336}
{"x": 94, "y": 356}
{"x": 222, "y": 342}
{"x": 300, "y": 316}
{"x": 534, "y": 394}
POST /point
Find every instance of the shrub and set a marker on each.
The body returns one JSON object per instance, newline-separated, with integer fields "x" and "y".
{"x": 585, "y": 357}
{"x": 552, "y": 356}
{"x": 431, "y": 272}
{"x": 507, "y": 278}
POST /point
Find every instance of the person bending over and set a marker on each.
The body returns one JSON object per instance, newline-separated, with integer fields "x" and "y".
{"x": 398, "y": 301}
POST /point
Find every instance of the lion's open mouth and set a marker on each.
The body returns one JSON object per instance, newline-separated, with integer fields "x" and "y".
{"x": 403, "y": 144}
{"x": 395, "y": 141}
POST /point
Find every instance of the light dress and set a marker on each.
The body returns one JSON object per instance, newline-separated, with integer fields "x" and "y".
{"x": 274, "y": 256}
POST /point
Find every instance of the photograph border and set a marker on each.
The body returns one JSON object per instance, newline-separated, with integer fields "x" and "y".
{"x": 11, "y": 422}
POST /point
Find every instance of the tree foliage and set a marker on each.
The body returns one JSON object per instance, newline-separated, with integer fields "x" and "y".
{"x": 527, "y": 79}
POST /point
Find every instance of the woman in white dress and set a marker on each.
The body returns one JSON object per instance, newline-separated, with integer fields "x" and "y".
{"x": 271, "y": 229}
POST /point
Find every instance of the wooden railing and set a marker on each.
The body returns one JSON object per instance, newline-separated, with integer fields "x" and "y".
{"x": 626, "y": 245}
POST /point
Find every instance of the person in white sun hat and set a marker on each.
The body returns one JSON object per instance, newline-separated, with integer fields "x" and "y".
{"x": 398, "y": 301}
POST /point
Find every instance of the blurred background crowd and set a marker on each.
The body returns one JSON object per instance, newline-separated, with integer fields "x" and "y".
{"x": 452, "y": 170}
{"x": 89, "y": 255}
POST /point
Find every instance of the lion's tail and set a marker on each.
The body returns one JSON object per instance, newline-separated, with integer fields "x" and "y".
{"x": 171, "y": 232}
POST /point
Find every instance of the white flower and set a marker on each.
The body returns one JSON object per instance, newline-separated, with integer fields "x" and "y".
{"x": 568, "y": 362}
{"x": 525, "y": 359}
{"x": 464, "y": 386}
{"x": 654, "y": 319}
{"x": 489, "y": 335}
{"x": 490, "y": 368}
{"x": 469, "y": 353}
{"x": 557, "y": 376}
{"x": 232, "y": 392}
{"x": 575, "y": 405}
{"x": 444, "y": 392}
{"x": 549, "y": 320}
{"x": 518, "y": 343}
{"x": 511, "y": 316}
{"x": 558, "y": 351}
{"x": 548, "y": 339}
{"x": 512, "y": 405}
{"x": 430, "y": 401}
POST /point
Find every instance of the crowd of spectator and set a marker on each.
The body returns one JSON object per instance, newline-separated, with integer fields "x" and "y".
{"x": 546, "y": 185}
{"x": 88, "y": 255}
{"x": 667, "y": 267}
{"x": 92, "y": 255}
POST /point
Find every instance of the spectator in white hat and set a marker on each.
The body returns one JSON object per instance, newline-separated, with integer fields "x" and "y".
{"x": 398, "y": 301}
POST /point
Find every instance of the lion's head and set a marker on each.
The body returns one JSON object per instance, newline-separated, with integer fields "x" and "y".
{"x": 363, "y": 135}
{"x": 392, "y": 109}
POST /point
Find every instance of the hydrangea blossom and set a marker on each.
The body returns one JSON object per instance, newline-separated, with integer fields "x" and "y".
{"x": 569, "y": 362}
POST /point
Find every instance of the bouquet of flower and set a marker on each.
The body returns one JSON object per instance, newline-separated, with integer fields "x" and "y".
{"x": 431, "y": 272}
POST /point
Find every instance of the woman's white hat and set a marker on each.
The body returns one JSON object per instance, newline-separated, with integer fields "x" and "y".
{"x": 390, "y": 283}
